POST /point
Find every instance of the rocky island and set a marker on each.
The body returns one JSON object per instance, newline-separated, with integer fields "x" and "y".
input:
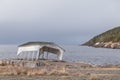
{"x": 108, "y": 39}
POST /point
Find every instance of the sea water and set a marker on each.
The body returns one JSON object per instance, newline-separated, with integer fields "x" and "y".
{"x": 73, "y": 53}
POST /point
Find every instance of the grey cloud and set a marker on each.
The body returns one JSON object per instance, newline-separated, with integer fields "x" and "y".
{"x": 63, "y": 21}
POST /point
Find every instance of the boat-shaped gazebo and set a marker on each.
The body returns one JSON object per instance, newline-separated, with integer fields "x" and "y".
{"x": 38, "y": 49}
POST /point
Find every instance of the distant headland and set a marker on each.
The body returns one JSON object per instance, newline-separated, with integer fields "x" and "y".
{"x": 108, "y": 39}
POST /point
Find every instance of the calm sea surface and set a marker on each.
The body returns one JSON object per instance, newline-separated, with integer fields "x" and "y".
{"x": 74, "y": 54}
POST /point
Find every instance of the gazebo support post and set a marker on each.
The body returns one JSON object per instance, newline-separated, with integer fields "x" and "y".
{"x": 37, "y": 57}
{"x": 47, "y": 55}
{"x": 39, "y": 54}
{"x": 60, "y": 54}
{"x": 32, "y": 55}
{"x": 43, "y": 55}
{"x": 28, "y": 54}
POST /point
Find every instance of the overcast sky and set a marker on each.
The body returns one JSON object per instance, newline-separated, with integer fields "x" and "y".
{"x": 60, "y": 21}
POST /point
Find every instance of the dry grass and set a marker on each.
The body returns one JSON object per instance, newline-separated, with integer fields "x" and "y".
{"x": 93, "y": 77}
{"x": 17, "y": 70}
{"x": 60, "y": 69}
{"x": 12, "y": 70}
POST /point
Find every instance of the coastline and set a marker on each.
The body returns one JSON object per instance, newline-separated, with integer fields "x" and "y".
{"x": 111, "y": 45}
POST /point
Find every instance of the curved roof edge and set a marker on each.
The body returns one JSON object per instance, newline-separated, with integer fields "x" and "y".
{"x": 40, "y": 43}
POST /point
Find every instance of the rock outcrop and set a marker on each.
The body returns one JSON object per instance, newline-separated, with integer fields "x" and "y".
{"x": 108, "y": 39}
{"x": 107, "y": 45}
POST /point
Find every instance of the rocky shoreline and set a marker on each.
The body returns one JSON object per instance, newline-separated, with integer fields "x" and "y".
{"x": 107, "y": 45}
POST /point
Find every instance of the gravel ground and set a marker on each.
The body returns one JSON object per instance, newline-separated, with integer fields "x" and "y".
{"x": 60, "y": 78}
